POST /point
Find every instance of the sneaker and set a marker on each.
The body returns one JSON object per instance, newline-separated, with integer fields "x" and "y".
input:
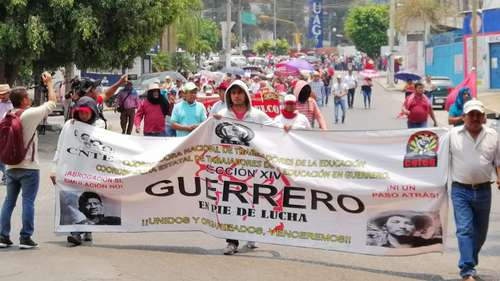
{"x": 27, "y": 243}
{"x": 75, "y": 239}
{"x": 5, "y": 242}
{"x": 87, "y": 236}
{"x": 251, "y": 245}
{"x": 231, "y": 249}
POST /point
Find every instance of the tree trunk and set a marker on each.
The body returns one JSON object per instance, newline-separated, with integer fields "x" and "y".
{"x": 8, "y": 73}
{"x": 68, "y": 75}
{"x": 37, "y": 73}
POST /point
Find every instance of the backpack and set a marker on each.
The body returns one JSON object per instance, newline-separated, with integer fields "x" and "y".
{"x": 12, "y": 150}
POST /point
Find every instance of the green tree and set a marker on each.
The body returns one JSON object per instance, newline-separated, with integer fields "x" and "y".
{"x": 281, "y": 47}
{"x": 180, "y": 62}
{"x": 89, "y": 33}
{"x": 162, "y": 62}
{"x": 263, "y": 46}
{"x": 367, "y": 26}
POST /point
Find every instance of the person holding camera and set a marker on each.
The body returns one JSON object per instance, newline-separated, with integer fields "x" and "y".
{"x": 127, "y": 101}
{"x": 90, "y": 88}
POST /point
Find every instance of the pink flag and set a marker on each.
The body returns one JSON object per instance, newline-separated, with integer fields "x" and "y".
{"x": 469, "y": 82}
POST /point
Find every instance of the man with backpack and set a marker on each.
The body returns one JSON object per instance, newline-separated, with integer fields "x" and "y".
{"x": 5, "y": 106}
{"x": 19, "y": 150}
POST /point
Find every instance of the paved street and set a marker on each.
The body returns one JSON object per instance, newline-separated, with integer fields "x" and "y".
{"x": 197, "y": 256}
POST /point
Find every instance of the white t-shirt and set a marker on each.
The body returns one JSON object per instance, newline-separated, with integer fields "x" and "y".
{"x": 299, "y": 122}
{"x": 350, "y": 81}
{"x": 338, "y": 89}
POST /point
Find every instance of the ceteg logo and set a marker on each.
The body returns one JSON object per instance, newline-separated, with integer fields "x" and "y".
{"x": 421, "y": 150}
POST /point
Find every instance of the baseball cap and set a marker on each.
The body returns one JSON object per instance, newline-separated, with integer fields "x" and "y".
{"x": 4, "y": 88}
{"x": 473, "y": 105}
{"x": 290, "y": 99}
{"x": 189, "y": 86}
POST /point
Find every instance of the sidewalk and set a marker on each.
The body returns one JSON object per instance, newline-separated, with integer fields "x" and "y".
{"x": 491, "y": 99}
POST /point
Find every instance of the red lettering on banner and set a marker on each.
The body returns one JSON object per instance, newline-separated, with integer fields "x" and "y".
{"x": 270, "y": 106}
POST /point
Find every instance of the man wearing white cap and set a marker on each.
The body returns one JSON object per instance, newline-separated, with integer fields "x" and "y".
{"x": 475, "y": 156}
{"x": 5, "y": 106}
{"x": 290, "y": 118}
{"x": 188, "y": 114}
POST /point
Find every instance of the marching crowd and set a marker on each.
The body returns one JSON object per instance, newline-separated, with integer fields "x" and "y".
{"x": 171, "y": 108}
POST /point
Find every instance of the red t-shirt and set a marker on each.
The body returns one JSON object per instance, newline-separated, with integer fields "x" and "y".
{"x": 239, "y": 115}
{"x": 419, "y": 108}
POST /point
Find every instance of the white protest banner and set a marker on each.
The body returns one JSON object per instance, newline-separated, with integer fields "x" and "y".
{"x": 372, "y": 192}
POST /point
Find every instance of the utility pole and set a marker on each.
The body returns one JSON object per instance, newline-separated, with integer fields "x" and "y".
{"x": 240, "y": 28}
{"x": 391, "y": 33}
{"x": 228, "y": 34}
{"x": 274, "y": 24}
{"x": 474, "y": 33}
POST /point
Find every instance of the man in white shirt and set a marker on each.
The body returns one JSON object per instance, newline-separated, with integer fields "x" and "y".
{"x": 475, "y": 156}
{"x": 5, "y": 106}
{"x": 352, "y": 83}
{"x": 339, "y": 92}
{"x": 290, "y": 118}
{"x": 25, "y": 177}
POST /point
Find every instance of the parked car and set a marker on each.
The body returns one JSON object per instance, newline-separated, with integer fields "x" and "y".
{"x": 443, "y": 87}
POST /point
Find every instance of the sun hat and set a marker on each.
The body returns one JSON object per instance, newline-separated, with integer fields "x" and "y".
{"x": 4, "y": 89}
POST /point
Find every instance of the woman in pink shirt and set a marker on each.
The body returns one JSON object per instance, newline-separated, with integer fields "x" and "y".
{"x": 153, "y": 110}
{"x": 307, "y": 105}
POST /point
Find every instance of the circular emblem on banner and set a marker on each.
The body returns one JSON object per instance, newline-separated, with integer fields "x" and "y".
{"x": 421, "y": 150}
{"x": 233, "y": 133}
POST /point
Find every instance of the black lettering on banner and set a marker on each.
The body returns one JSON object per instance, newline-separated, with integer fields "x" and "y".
{"x": 209, "y": 188}
{"x": 268, "y": 196}
{"x": 227, "y": 190}
{"x": 287, "y": 196}
{"x": 315, "y": 199}
{"x": 360, "y": 205}
{"x": 182, "y": 187}
{"x": 168, "y": 189}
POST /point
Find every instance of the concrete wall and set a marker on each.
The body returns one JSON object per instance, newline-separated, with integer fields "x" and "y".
{"x": 446, "y": 60}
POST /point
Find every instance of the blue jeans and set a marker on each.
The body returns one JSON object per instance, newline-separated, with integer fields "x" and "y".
{"x": 340, "y": 104}
{"x": 367, "y": 97}
{"x": 26, "y": 182}
{"x": 2, "y": 169}
{"x": 471, "y": 208}
{"x": 325, "y": 95}
{"x": 412, "y": 125}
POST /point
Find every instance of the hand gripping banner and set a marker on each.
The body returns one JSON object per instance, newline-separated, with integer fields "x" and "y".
{"x": 371, "y": 192}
